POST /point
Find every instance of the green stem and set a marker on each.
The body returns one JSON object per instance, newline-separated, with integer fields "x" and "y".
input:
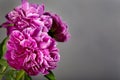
{"x": 20, "y": 75}
{"x": 1, "y": 77}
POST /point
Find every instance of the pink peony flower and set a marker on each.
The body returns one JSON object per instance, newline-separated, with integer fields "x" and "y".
{"x": 27, "y": 15}
{"x": 32, "y": 38}
{"x": 33, "y": 15}
{"x": 34, "y": 53}
{"x": 59, "y": 29}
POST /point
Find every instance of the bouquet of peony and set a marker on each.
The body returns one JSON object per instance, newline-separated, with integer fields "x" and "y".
{"x": 30, "y": 47}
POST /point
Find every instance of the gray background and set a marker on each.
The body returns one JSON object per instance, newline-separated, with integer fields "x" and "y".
{"x": 93, "y": 52}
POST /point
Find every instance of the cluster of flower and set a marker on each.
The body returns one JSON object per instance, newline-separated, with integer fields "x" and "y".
{"x": 33, "y": 34}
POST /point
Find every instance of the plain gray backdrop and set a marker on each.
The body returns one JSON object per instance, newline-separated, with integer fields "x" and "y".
{"x": 93, "y": 52}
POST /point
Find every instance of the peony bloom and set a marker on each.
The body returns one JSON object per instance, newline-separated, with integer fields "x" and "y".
{"x": 33, "y": 15}
{"x": 31, "y": 53}
{"x": 32, "y": 38}
{"x": 59, "y": 29}
{"x": 27, "y": 15}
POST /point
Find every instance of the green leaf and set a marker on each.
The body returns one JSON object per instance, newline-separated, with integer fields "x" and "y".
{"x": 3, "y": 62}
{"x": 9, "y": 74}
{"x": 3, "y": 47}
{"x": 2, "y": 69}
{"x": 27, "y": 77}
{"x": 20, "y": 75}
{"x": 3, "y": 66}
{"x": 50, "y": 76}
